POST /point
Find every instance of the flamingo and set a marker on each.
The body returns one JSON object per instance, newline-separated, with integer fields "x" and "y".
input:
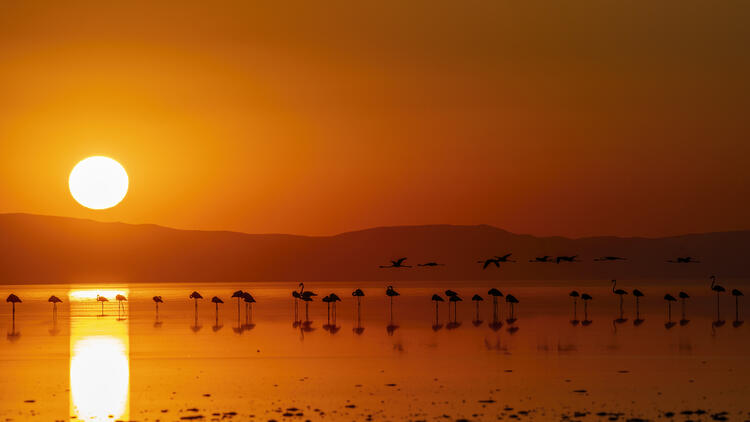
{"x": 157, "y": 300}
{"x": 545, "y": 258}
{"x": 249, "y": 300}
{"x": 476, "y": 299}
{"x": 586, "y": 298}
{"x": 736, "y": 293}
{"x": 327, "y": 300}
{"x": 504, "y": 258}
{"x": 102, "y": 299}
{"x": 718, "y": 289}
{"x": 391, "y": 294}
{"x": 495, "y": 293}
{"x": 437, "y": 299}
{"x": 451, "y": 294}
{"x": 429, "y": 264}
{"x": 638, "y": 295}
{"x": 669, "y": 298}
{"x": 683, "y": 260}
{"x": 13, "y": 299}
{"x": 120, "y": 305}
{"x": 216, "y": 300}
{"x": 453, "y": 299}
{"x": 565, "y": 258}
{"x": 399, "y": 263}
{"x": 359, "y": 294}
{"x": 307, "y": 299}
{"x": 610, "y": 258}
{"x": 239, "y": 295}
{"x": 574, "y": 294}
{"x": 488, "y": 261}
{"x": 620, "y": 293}
{"x": 512, "y": 301}
{"x": 297, "y": 297}
{"x": 54, "y": 300}
{"x": 683, "y": 296}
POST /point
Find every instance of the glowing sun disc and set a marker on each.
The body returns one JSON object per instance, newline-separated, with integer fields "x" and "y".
{"x": 98, "y": 183}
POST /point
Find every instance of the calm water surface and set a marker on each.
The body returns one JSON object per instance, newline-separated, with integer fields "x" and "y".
{"x": 134, "y": 365}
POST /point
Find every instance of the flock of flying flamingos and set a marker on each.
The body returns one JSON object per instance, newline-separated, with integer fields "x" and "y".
{"x": 307, "y": 296}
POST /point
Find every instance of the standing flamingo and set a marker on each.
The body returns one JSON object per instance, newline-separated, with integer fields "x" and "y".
{"x": 476, "y": 299}
{"x": 453, "y": 299}
{"x": 574, "y": 294}
{"x": 239, "y": 294}
{"x": 638, "y": 295}
{"x": 437, "y": 299}
{"x": 216, "y": 300}
{"x": 249, "y": 300}
{"x": 102, "y": 299}
{"x": 327, "y": 300}
{"x": 512, "y": 301}
{"x": 736, "y": 293}
{"x": 718, "y": 289}
{"x": 297, "y": 297}
{"x": 391, "y": 294}
{"x": 13, "y": 299}
{"x": 669, "y": 298}
{"x": 495, "y": 293}
{"x": 120, "y": 305}
{"x": 359, "y": 294}
{"x": 54, "y": 300}
{"x": 586, "y": 298}
{"x": 620, "y": 293}
{"x": 157, "y": 300}
{"x": 683, "y": 296}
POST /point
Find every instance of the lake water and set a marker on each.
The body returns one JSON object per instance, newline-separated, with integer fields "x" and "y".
{"x": 134, "y": 365}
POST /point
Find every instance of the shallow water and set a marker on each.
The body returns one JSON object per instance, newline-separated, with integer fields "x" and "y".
{"x": 129, "y": 365}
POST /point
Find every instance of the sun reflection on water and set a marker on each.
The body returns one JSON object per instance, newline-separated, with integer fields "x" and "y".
{"x": 99, "y": 361}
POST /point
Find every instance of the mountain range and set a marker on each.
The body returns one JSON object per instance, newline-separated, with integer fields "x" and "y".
{"x": 48, "y": 249}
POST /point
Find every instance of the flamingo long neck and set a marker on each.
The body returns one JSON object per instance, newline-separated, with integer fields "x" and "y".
{"x": 614, "y": 284}
{"x": 301, "y": 288}
{"x": 713, "y": 281}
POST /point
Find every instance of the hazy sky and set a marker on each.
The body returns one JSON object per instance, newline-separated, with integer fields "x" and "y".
{"x": 573, "y": 117}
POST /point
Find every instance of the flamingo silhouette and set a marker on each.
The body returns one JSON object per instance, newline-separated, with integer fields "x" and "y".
{"x": 610, "y": 258}
{"x": 451, "y": 294}
{"x": 430, "y": 264}
{"x": 307, "y": 299}
{"x": 13, "y": 299}
{"x": 359, "y": 294}
{"x": 512, "y": 301}
{"x": 586, "y": 298}
{"x": 102, "y": 299}
{"x": 437, "y": 299}
{"x": 399, "y": 263}
{"x": 454, "y": 300}
{"x": 327, "y": 300}
{"x": 297, "y": 297}
{"x": 574, "y": 294}
{"x": 249, "y": 300}
{"x": 120, "y": 305}
{"x": 54, "y": 300}
{"x": 216, "y": 300}
{"x": 736, "y": 293}
{"x": 157, "y": 300}
{"x": 565, "y": 258}
{"x": 545, "y": 258}
{"x": 638, "y": 295}
{"x": 239, "y": 295}
{"x": 683, "y": 296}
{"x": 476, "y": 299}
{"x": 620, "y": 293}
{"x": 495, "y": 293}
{"x": 488, "y": 261}
{"x": 718, "y": 289}
{"x": 504, "y": 258}
{"x": 391, "y": 294}
{"x": 683, "y": 260}
{"x": 669, "y": 298}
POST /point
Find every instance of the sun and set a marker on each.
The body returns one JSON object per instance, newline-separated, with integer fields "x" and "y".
{"x": 98, "y": 182}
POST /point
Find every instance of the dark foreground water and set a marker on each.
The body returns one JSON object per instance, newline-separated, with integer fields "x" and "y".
{"x": 547, "y": 365}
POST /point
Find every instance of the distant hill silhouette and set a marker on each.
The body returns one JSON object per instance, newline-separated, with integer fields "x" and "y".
{"x": 45, "y": 249}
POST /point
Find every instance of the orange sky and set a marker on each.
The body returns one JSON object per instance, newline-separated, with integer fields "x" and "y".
{"x": 577, "y": 118}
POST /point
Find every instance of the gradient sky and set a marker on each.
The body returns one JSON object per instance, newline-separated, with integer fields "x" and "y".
{"x": 551, "y": 118}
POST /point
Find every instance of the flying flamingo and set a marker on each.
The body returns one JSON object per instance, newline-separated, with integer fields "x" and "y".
{"x": 13, "y": 299}
{"x": 610, "y": 258}
{"x": 477, "y": 299}
{"x": 545, "y": 258}
{"x": 429, "y": 264}
{"x": 718, "y": 289}
{"x": 683, "y": 296}
{"x": 495, "y": 293}
{"x": 620, "y": 293}
{"x": 54, "y": 300}
{"x": 512, "y": 301}
{"x": 736, "y": 293}
{"x": 488, "y": 261}
{"x": 586, "y": 298}
{"x": 399, "y": 263}
{"x": 102, "y": 299}
{"x": 683, "y": 260}
{"x": 239, "y": 295}
{"x": 391, "y": 294}
{"x": 669, "y": 298}
{"x": 437, "y": 299}
{"x": 565, "y": 258}
{"x": 574, "y": 294}
{"x": 638, "y": 295}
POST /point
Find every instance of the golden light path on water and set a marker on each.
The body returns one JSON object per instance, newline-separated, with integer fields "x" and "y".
{"x": 99, "y": 358}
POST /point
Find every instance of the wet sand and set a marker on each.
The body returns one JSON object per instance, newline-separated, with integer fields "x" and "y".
{"x": 541, "y": 367}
